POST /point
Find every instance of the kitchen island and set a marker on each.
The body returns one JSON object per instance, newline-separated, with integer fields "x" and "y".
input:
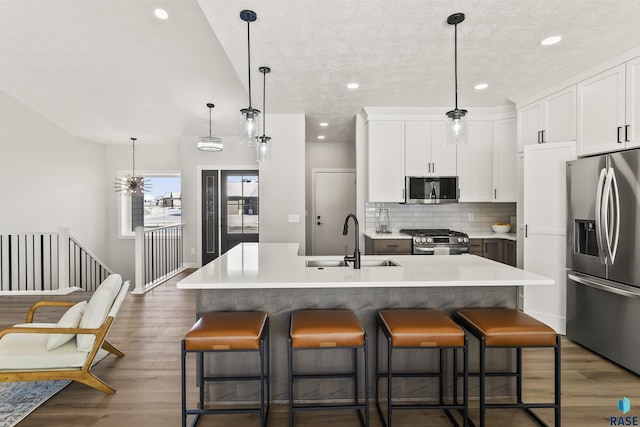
{"x": 271, "y": 277}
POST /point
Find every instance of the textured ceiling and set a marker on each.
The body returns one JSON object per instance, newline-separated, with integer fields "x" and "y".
{"x": 108, "y": 69}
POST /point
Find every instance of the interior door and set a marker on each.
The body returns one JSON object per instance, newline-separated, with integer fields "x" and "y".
{"x": 210, "y": 216}
{"x": 335, "y": 198}
{"x": 239, "y": 201}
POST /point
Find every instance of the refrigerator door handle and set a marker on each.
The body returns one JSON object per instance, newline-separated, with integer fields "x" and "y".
{"x": 599, "y": 206}
{"x": 579, "y": 278}
{"x": 611, "y": 189}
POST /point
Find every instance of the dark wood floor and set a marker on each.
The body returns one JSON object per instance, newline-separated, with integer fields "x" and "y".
{"x": 149, "y": 329}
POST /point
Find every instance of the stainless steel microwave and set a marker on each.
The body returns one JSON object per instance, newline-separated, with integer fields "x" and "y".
{"x": 431, "y": 189}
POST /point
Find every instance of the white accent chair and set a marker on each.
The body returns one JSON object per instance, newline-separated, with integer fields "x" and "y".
{"x": 66, "y": 350}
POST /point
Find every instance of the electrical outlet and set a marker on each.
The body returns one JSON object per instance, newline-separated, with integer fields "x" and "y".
{"x": 294, "y": 218}
{"x": 193, "y": 251}
{"x": 470, "y": 216}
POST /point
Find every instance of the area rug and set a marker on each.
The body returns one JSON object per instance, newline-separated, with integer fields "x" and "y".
{"x": 17, "y": 400}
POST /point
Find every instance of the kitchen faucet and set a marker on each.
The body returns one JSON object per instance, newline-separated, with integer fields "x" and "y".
{"x": 356, "y": 253}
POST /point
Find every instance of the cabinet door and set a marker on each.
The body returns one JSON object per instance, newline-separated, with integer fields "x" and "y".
{"x": 509, "y": 257}
{"x": 475, "y": 247}
{"x": 392, "y": 246}
{"x": 633, "y": 103}
{"x": 416, "y": 144}
{"x": 386, "y": 161}
{"x": 601, "y": 112}
{"x": 443, "y": 156}
{"x": 475, "y": 163}
{"x": 492, "y": 249}
{"x": 560, "y": 116}
{"x": 505, "y": 159}
{"x": 529, "y": 124}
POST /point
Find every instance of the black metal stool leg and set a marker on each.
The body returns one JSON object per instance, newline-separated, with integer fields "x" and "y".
{"x": 519, "y": 374}
{"x": 441, "y": 376}
{"x": 465, "y": 381}
{"x": 558, "y": 382}
{"x": 290, "y": 356}
{"x": 184, "y": 386}
{"x": 366, "y": 380}
{"x": 389, "y": 381}
{"x": 482, "y": 379}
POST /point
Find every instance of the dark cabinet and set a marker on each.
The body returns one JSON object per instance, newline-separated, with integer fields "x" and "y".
{"x": 387, "y": 246}
{"x": 500, "y": 250}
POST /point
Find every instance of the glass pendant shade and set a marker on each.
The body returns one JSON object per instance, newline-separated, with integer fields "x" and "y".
{"x": 264, "y": 149}
{"x": 457, "y": 127}
{"x": 210, "y": 143}
{"x": 250, "y": 121}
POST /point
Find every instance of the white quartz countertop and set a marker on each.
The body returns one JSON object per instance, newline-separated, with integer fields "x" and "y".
{"x": 393, "y": 235}
{"x": 492, "y": 235}
{"x": 277, "y": 265}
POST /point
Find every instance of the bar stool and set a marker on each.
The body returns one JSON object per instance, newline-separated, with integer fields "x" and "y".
{"x": 224, "y": 332}
{"x": 420, "y": 329}
{"x": 508, "y": 328}
{"x": 314, "y": 330}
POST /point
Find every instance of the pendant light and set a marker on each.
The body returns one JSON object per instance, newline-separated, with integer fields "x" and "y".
{"x": 210, "y": 143}
{"x": 250, "y": 117}
{"x": 264, "y": 142}
{"x": 457, "y": 124}
{"x": 132, "y": 184}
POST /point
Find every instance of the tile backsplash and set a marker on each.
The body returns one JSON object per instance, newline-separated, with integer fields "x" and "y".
{"x": 466, "y": 217}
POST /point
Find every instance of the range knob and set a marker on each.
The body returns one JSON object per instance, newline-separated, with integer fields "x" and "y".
{"x": 466, "y": 240}
{"x": 460, "y": 240}
{"x": 429, "y": 240}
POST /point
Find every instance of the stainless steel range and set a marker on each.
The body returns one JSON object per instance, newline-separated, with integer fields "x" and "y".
{"x": 431, "y": 241}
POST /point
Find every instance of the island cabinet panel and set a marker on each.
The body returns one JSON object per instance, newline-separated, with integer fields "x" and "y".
{"x": 387, "y": 246}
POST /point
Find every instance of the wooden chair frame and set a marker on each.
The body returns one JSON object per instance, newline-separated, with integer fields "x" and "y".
{"x": 82, "y": 374}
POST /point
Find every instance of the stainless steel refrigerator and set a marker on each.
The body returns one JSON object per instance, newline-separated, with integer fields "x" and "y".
{"x": 603, "y": 255}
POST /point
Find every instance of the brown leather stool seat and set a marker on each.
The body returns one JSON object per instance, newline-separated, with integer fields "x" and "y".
{"x": 317, "y": 330}
{"x": 226, "y": 330}
{"x": 326, "y": 328}
{"x": 223, "y": 332}
{"x": 509, "y": 328}
{"x": 418, "y": 329}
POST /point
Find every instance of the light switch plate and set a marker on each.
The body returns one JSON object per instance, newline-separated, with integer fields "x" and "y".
{"x": 294, "y": 218}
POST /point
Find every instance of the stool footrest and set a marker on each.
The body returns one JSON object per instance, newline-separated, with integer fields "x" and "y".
{"x": 327, "y": 407}
{"x": 426, "y": 406}
{"x": 412, "y": 375}
{"x": 521, "y": 405}
{"x": 320, "y": 376}
{"x": 241, "y": 378}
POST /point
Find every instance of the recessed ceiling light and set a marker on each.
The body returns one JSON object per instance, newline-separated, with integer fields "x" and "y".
{"x": 551, "y": 40}
{"x": 481, "y": 86}
{"x": 324, "y": 124}
{"x": 320, "y": 136}
{"x": 161, "y": 14}
{"x": 353, "y": 85}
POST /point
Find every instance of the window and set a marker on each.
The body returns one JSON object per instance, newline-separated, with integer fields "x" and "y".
{"x": 160, "y": 206}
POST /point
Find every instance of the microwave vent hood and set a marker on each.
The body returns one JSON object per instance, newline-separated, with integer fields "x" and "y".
{"x": 431, "y": 189}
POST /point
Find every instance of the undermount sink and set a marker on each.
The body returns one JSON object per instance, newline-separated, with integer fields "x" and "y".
{"x": 378, "y": 263}
{"x": 322, "y": 263}
{"x": 326, "y": 263}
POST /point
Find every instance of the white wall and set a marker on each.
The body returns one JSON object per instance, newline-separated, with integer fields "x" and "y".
{"x": 324, "y": 155}
{"x": 282, "y": 181}
{"x": 49, "y": 178}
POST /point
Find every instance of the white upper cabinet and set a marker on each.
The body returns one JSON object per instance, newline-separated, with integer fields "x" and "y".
{"x": 417, "y": 145}
{"x": 632, "y": 126}
{"x": 475, "y": 163}
{"x": 426, "y": 149}
{"x": 505, "y": 183}
{"x": 443, "y": 156}
{"x": 601, "y": 112}
{"x": 551, "y": 119}
{"x": 386, "y": 161}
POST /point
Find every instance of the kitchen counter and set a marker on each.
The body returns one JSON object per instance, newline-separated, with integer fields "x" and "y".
{"x": 271, "y": 277}
{"x": 393, "y": 235}
{"x": 492, "y": 235}
{"x": 278, "y": 266}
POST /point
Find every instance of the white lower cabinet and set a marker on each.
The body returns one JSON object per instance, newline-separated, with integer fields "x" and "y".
{"x": 545, "y": 202}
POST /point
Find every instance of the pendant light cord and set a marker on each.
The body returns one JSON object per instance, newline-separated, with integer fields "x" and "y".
{"x": 249, "y": 58}
{"x": 455, "y": 49}
{"x": 133, "y": 150}
{"x": 209, "y": 122}
{"x": 264, "y": 95}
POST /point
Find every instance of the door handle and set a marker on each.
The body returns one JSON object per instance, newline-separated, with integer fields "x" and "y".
{"x": 626, "y": 133}
{"x": 618, "y": 134}
{"x": 319, "y": 223}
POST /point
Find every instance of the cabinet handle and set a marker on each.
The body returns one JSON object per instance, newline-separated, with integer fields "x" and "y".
{"x": 538, "y": 137}
{"x": 403, "y": 190}
{"x": 495, "y": 193}
{"x": 392, "y": 246}
{"x": 542, "y": 133}
{"x": 526, "y": 230}
{"x": 626, "y": 133}
{"x": 619, "y": 129}
{"x": 433, "y": 167}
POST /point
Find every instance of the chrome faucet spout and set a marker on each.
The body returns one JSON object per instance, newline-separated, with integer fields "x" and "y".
{"x": 356, "y": 253}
